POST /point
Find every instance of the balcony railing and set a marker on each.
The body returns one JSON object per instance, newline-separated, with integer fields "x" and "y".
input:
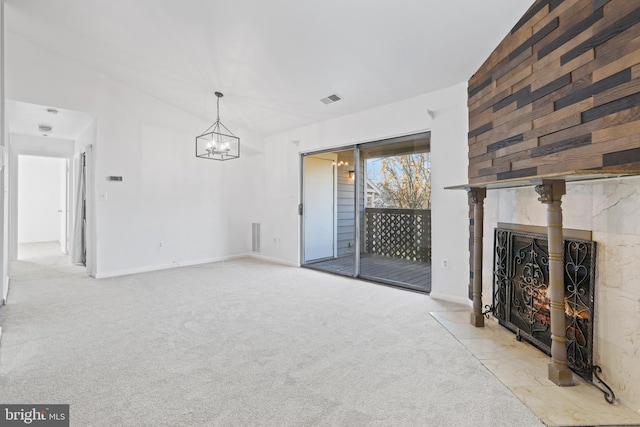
{"x": 399, "y": 233}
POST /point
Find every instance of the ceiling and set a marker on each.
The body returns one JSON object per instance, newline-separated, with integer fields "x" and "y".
{"x": 273, "y": 60}
{"x": 25, "y": 118}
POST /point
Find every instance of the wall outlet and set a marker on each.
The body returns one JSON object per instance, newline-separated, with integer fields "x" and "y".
{"x": 444, "y": 263}
{"x": 160, "y": 244}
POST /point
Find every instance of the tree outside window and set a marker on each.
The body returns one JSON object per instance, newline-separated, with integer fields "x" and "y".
{"x": 403, "y": 181}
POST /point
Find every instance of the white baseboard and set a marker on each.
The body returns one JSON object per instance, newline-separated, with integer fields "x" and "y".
{"x": 450, "y": 298}
{"x": 174, "y": 264}
{"x": 274, "y": 260}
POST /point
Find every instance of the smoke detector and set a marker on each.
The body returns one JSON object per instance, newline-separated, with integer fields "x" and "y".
{"x": 45, "y": 130}
{"x": 331, "y": 99}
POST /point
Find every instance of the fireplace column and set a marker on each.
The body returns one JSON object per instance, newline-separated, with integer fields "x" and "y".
{"x": 551, "y": 192}
{"x": 476, "y": 196}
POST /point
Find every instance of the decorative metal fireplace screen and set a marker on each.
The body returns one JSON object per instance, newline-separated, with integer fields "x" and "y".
{"x": 520, "y": 299}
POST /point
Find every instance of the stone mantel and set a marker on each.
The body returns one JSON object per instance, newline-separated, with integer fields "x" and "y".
{"x": 529, "y": 181}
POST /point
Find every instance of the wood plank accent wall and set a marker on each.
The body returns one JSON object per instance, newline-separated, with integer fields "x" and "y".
{"x": 561, "y": 92}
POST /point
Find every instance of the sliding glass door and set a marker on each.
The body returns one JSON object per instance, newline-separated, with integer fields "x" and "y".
{"x": 396, "y": 214}
{"x": 367, "y": 211}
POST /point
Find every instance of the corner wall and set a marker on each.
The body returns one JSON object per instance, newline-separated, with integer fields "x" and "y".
{"x": 280, "y": 189}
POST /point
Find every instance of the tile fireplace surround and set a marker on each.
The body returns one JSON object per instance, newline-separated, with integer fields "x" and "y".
{"x": 610, "y": 209}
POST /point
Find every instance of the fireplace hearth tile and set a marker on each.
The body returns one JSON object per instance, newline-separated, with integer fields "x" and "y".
{"x": 523, "y": 369}
{"x": 574, "y": 406}
{"x": 467, "y": 331}
{"x": 499, "y": 348}
{"x": 517, "y": 372}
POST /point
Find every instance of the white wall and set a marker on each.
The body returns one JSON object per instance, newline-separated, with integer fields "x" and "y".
{"x": 43, "y": 146}
{"x": 279, "y": 191}
{"x": 4, "y": 212}
{"x": 197, "y": 209}
{"x": 40, "y": 197}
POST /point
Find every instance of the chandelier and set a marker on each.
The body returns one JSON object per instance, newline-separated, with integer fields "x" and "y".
{"x": 217, "y": 142}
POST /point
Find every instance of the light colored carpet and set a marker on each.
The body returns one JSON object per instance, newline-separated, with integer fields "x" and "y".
{"x": 239, "y": 343}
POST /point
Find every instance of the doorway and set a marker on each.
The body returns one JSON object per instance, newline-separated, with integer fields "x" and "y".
{"x": 319, "y": 215}
{"x": 328, "y": 202}
{"x": 381, "y": 216}
{"x": 43, "y": 206}
{"x": 41, "y": 133}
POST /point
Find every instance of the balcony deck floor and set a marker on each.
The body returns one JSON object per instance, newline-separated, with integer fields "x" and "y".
{"x": 415, "y": 275}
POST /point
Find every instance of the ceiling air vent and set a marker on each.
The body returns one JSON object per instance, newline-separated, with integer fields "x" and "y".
{"x": 331, "y": 99}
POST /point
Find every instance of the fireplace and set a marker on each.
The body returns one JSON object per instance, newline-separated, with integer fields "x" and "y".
{"x": 520, "y": 290}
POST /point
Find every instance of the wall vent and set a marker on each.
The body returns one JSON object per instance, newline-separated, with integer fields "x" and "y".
{"x": 255, "y": 237}
{"x": 331, "y": 99}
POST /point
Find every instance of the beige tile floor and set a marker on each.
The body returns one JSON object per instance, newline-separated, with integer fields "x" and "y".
{"x": 523, "y": 369}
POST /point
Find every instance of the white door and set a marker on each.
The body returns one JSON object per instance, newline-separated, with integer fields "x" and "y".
{"x": 318, "y": 205}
